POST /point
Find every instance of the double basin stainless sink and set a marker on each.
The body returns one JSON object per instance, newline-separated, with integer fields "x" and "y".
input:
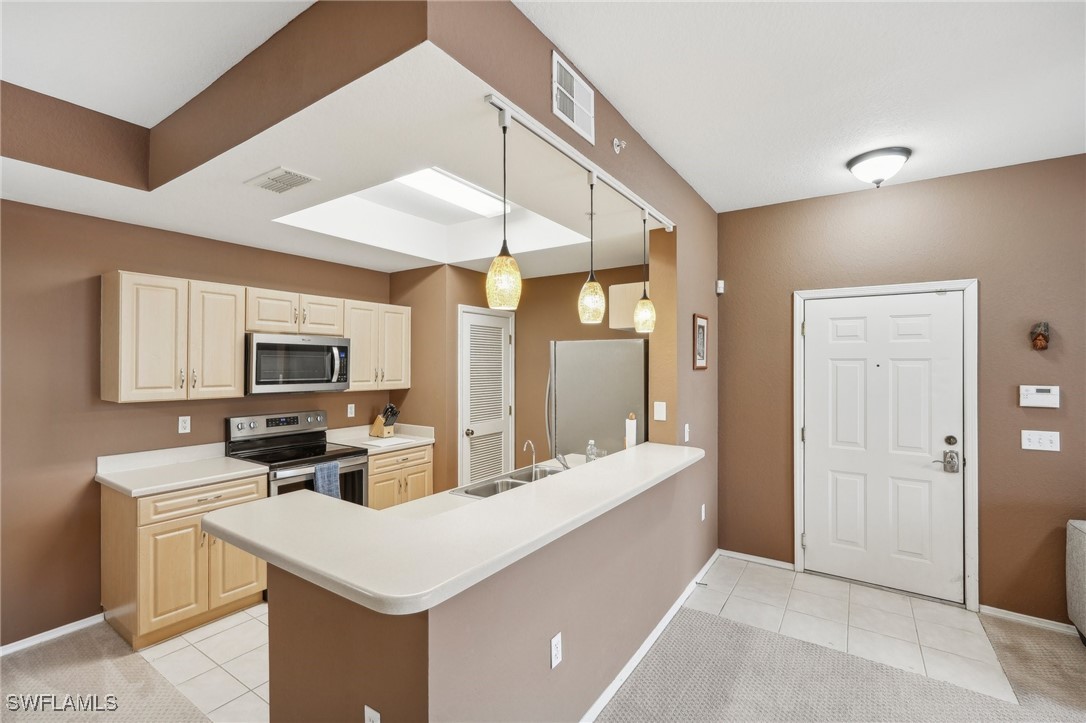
{"x": 504, "y": 482}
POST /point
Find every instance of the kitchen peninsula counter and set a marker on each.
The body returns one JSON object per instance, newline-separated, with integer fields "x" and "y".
{"x": 425, "y": 561}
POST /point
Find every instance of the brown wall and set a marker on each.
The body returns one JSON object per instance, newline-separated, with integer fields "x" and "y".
{"x": 1021, "y": 232}
{"x": 54, "y": 424}
{"x": 548, "y": 312}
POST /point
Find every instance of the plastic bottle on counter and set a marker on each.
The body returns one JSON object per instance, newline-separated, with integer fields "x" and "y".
{"x": 591, "y": 452}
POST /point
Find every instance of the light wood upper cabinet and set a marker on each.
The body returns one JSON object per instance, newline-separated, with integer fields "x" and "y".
{"x": 172, "y": 572}
{"x": 361, "y": 324}
{"x": 216, "y": 340}
{"x": 232, "y": 573}
{"x": 144, "y": 337}
{"x": 395, "y": 335}
{"x": 271, "y": 311}
{"x": 320, "y": 315}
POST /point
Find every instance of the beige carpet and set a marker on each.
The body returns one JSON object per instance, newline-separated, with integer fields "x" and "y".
{"x": 94, "y": 661}
{"x": 707, "y": 668}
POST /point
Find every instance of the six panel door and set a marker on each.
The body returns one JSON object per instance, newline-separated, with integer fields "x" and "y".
{"x": 883, "y": 399}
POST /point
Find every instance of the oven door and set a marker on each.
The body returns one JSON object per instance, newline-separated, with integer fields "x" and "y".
{"x": 296, "y": 363}
{"x": 353, "y": 480}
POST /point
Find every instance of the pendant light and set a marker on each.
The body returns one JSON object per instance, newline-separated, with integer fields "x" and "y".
{"x": 591, "y": 303}
{"x": 503, "y": 284}
{"x": 644, "y": 313}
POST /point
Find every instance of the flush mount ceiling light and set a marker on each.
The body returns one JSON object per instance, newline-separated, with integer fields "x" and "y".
{"x": 591, "y": 303}
{"x": 644, "y": 313}
{"x": 878, "y": 166}
{"x": 503, "y": 283}
{"x": 447, "y": 187}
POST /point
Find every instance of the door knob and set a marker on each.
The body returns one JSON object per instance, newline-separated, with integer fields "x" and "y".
{"x": 950, "y": 461}
{"x": 469, "y": 432}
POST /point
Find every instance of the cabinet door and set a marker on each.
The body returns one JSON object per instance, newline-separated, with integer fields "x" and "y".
{"x": 271, "y": 311}
{"x": 361, "y": 325}
{"x": 172, "y": 572}
{"x": 385, "y": 489}
{"x": 321, "y": 315}
{"x": 395, "y": 334}
{"x": 418, "y": 481}
{"x": 232, "y": 573}
{"x": 216, "y": 340}
{"x": 152, "y": 314}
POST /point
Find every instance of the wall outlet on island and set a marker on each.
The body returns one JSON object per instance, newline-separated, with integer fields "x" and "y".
{"x": 371, "y": 716}
{"x": 350, "y": 410}
{"x": 556, "y": 650}
{"x": 184, "y": 425}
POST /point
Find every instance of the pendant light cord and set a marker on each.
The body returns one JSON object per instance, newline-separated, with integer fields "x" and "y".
{"x": 644, "y": 257}
{"x": 505, "y": 203}
{"x": 592, "y": 231}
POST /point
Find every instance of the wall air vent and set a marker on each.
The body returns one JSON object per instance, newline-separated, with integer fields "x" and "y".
{"x": 280, "y": 180}
{"x": 573, "y": 101}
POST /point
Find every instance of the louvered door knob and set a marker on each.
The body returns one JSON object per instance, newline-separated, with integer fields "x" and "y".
{"x": 469, "y": 432}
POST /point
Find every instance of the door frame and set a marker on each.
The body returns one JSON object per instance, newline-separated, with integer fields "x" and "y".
{"x": 461, "y": 309}
{"x": 970, "y": 454}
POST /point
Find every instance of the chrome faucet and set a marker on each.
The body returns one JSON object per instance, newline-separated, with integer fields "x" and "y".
{"x": 526, "y": 446}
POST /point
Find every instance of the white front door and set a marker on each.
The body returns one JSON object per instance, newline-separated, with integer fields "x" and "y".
{"x": 486, "y": 393}
{"x": 883, "y": 400}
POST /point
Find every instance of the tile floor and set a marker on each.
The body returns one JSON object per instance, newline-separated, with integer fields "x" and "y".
{"x": 940, "y": 641}
{"x": 221, "y": 667}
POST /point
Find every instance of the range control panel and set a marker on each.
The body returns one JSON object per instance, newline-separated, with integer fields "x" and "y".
{"x": 269, "y": 425}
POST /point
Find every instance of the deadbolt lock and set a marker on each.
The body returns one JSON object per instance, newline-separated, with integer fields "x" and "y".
{"x": 951, "y": 439}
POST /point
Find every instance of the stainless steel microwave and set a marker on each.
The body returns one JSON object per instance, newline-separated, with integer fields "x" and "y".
{"x": 278, "y": 363}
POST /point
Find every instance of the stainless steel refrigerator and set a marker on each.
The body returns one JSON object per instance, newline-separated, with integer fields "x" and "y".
{"x": 592, "y": 388}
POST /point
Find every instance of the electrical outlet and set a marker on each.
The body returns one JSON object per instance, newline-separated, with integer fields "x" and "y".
{"x": 556, "y": 650}
{"x": 372, "y": 716}
{"x": 703, "y": 512}
{"x": 686, "y": 432}
{"x": 184, "y": 425}
{"x": 1042, "y": 441}
{"x": 350, "y": 410}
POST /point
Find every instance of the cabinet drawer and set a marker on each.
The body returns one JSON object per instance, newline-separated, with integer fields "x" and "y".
{"x": 171, "y": 505}
{"x": 396, "y": 460}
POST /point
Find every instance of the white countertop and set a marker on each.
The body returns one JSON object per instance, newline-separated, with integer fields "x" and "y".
{"x": 412, "y": 436}
{"x": 145, "y": 481}
{"x": 408, "y": 560}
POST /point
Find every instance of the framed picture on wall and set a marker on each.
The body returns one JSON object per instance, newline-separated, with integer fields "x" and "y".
{"x": 701, "y": 341}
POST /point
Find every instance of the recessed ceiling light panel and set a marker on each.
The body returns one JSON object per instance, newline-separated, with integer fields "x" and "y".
{"x": 447, "y": 187}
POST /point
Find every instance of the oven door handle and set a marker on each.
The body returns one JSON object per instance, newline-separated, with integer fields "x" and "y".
{"x": 351, "y": 464}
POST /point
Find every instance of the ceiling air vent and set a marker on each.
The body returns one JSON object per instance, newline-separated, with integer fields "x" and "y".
{"x": 280, "y": 180}
{"x": 574, "y": 101}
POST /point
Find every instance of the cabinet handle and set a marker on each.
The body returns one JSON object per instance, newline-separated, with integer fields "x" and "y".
{"x": 182, "y": 377}
{"x": 382, "y": 375}
{"x": 403, "y": 459}
{"x": 203, "y": 538}
{"x": 295, "y": 314}
{"x": 194, "y": 378}
{"x": 208, "y": 499}
{"x": 305, "y": 315}
{"x": 375, "y": 374}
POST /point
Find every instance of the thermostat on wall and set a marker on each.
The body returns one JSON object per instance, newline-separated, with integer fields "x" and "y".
{"x": 1031, "y": 396}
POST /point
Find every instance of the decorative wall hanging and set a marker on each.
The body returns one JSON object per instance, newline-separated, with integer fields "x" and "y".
{"x": 1039, "y": 335}
{"x": 701, "y": 342}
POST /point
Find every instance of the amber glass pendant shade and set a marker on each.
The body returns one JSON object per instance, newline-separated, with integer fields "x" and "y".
{"x": 503, "y": 283}
{"x": 644, "y": 316}
{"x": 591, "y": 303}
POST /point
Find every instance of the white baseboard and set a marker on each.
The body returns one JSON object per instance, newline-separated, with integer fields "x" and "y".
{"x": 50, "y": 634}
{"x": 1029, "y": 620}
{"x": 759, "y": 560}
{"x": 609, "y": 692}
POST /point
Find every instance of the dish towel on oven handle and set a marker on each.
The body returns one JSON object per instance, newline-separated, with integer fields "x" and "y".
{"x": 326, "y": 479}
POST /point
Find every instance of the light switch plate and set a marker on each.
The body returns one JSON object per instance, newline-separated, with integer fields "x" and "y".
{"x": 371, "y": 716}
{"x": 1042, "y": 441}
{"x": 659, "y": 411}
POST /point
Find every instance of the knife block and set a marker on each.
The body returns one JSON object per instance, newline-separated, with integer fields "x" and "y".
{"x": 378, "y": 428}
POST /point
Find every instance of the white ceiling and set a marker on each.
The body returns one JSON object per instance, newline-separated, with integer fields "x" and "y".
{"x": 138, "y": 61}
{"x": 432, "y": 113}
{"x": 760, "y": 103}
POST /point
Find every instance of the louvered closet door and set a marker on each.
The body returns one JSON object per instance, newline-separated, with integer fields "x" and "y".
{"x": 486, "y": 394}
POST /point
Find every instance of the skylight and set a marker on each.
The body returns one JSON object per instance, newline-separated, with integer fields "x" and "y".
{"x": 447, "y": 187}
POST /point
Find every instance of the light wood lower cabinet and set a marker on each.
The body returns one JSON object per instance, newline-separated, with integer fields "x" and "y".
{"x": 397, "y": 477}
{"x": 162, "y": 574}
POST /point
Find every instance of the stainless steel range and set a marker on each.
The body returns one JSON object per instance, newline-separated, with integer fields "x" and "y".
{"x": 291, "y": 445}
